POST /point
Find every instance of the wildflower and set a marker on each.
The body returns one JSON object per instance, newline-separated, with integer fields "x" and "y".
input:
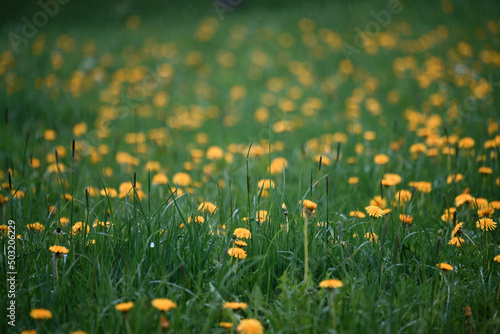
{"x": 485, "y": 170}
{"x": 240, "y": 243}
{"x": 57, "y": 250}
{"x": 357, "y": 214}
{"x": 277, "y": 165}
{"x": 36, "y": 226}
{"x": 466, "y": 143}
{"x": 422, "y": 186}
{"x": 237, "y": 252}
{"x": 197, "y": 219}
{"x": 406, "y": 219}
{"x": 235, "y": 305}
{"x": 40, "y": 313}
{"x": 78, "y": 227}
{"x": 372, "y": 237}
{"x": 447, "y": 216}
{"x": 160, "y": 179}
{"x": 381, "y": 159}
{"x": 401, "y": 197}
{"x": 353, "y": 180}
{"x": 225, "y": 324}
{"x": 242, "y": 233}
{"x": 164, "y": 323}
{"x": 497, "y": 258}
{"x": 331, "y": 284}
{"x": 378, "y": 201}
{"x": 486, "y": 224}
{"x": 480, "y": 202}
{"x": 374, "y": 211}
{"x": 390, "y": 180}
{"x": 207, "y": 207}
{"x": 468, "y": 312}
{"x": 163, "y": 304}
{"x": 309, "y": 206}
{"x": 457, "y": 230}
{"x": 444, "y": 266}
{"x": 486, "y": 212}
{"x": 181, "y": 179}
{"x": 463, "y": 198}
{"x": 456, "y": 241}
{"x": 454, "y": 178}
{"x": 250, "y": 326}
{"x": 124, "y": 307}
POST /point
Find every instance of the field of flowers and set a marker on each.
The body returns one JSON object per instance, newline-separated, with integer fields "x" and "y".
{"x": 250, "y": 167}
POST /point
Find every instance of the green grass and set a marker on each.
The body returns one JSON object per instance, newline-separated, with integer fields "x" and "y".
{"x": 391, "y": 285}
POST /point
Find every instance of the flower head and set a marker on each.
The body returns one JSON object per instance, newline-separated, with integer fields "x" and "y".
{"x": 486, "y": 224}
{"x": 457, "y": 230}
{"x": 497, "y": 258}
{"x": 225, "y": 324}
{"x": 374, "y": 211}
{"x": 406, "y": 219}
{"x": 456, "y": 241}
{"x": 124, "y": 307}
{"x": 58, "y": 249}
{"x": 40, "y": 313}
{"x": 163, "y": 304}
{"x": 235, "y": 305}
{"x": 237, "y": 252}
{"x": 444, "y": 266}
{"x": 250, "y": 326}
{"x": 331, "y": 284}
{"x": 242, "y": 233}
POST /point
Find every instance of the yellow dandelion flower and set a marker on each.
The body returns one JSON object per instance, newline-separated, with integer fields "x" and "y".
{"x": 457, "y": 230}
{"x": 40, "y": 313}
{"x": 36, "y": 226}
{"x": 486, "y": 224}
{"x": 406, "y": 219}
{"x": 250, "y": 326}
{"x": 485, "y": 170}
{"x": 225, "y": 324}
{"x": 242, "y": 233}
{"x": 237, "y": 252}
{"x": 58, "y": 249}
{"x": 374, "y": 211}
{"x": 454, "y": 178}
{"x": 353, "y": 180}
{"x": 163, "y": 304}
{"x": 381, "y": 159}
{"x": 235, "y": 305}
{"x": 124, "y": 307}
{"x": 309, "y": 205}
{"x": 444, "y": 266}
{"x": 240, "y": 243}
{"x": 331, "y": 284}
{"x": 372, "y": 237}
{"x": 497, "y": 258}
{"x": 207, "y": 207}
{"x": 486, "y": 212}
{"x": 357, "y": 214}
{"x": 456, "y": 241}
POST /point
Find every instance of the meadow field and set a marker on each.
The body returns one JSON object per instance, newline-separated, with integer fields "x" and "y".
{"x": 250, "y": 166}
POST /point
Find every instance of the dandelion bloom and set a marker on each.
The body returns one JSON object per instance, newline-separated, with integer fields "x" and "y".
{"x": 378, "y": 201}
{"x": 372, "y": 237}
{"x": 357, "y": 214}
{"x": 422, "y": 186}
{"x": 240, "y": 243}
{"x": 261, "y": 216}
{"x": 160, "y": 179}
{"x": 163, "y": 304}
{"x": 331, "y": 284}
{"x": 265, "y": 184}
{"x": 242, "y": 233}
{"x": 381, "y": 159}
{"x": 40, "y": 313}
{"x": 277, "y": 165}
{"x": 456, "y": 241}
{"x": 407, "y": 219}
{"x": 225, "y": 324}
{"x": 124, "y": 307}
{"x": 457, "y": 230}
{"x": 486, "y": 212}
{"x": 466, "y": 143}
{"x": 309, "y": 205}
{"x": 391, "y": 179}
{"x": 197, "y": 219}
{"x": 497, "y": 258}
{"x": 486, "y": 224}
{"x": 447, "y": 216}
{"x": 353, "y": 180}
{"x": 485, "y": 170}
{"x": 235, "y": 305}
{"x": 58, "y": 249}
{"x": 250, "y": 326}
{"x": 444, "y": 266}
{"x": 78, "y": 227}
{"x": 374, "y": 211}
{"x": 207, "y": 207}
{"x": 237, "y": 252}
{"x": 36, "y": 226}
{"x": 454, "y": 178}
{"x": 463, "y": 198}
{"x": 181, "y": 179}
